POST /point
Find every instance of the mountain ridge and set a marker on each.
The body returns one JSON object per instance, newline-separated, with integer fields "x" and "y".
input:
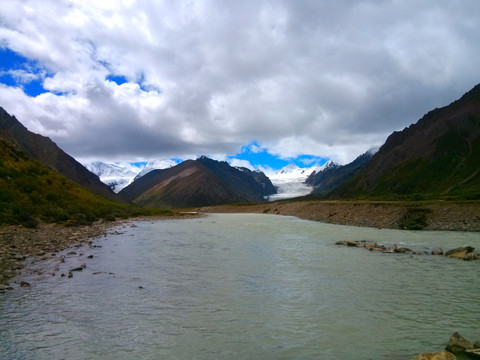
{"x": 436, "y": 157}
{"x": 333, "y": 174}
{"x": 44, "y": 150}
{"x": 198, "y": 182}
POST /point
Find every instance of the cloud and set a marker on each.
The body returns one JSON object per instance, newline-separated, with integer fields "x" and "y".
{"x": 241, "y": 163}
{"x": 330, "y": 78}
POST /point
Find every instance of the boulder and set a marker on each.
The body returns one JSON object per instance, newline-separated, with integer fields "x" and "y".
{"x": 459, "y": 252}
{"x": 351, "y": 243}
{"x": 442, "y": 355}
{"x": 476, "y": 344}
{"x": 375, "y": 247}
{"x": 437, "y": 251}
{"x": 458, "y": 343}
{"x": 391, "y": 250}
{"x": 470, "y": 256}
{"x": 404, "y": 251}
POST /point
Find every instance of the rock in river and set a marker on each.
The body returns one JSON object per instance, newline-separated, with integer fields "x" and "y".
{"x": 442, "y": 355}
{"x": 459, "y": 252}
{"x": 458, "y": 343}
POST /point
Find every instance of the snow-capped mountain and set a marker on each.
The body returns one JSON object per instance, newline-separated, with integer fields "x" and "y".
{"x": 115, "y": 175}
{"x": 120, "y": 175}
{"x": 154, "y": 165}
{"x": 290, "y": 181}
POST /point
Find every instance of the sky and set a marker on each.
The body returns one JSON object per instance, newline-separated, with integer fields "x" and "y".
{"x": 259, "y": 83}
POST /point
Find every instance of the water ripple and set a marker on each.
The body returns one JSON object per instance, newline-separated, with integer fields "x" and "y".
{"x": 277, "y": 288}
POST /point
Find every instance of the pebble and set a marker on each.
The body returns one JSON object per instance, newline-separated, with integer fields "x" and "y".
{"x": 24, "y": 284}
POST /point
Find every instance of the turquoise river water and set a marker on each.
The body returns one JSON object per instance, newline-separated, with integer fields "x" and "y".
{"x": 244, "y": 286}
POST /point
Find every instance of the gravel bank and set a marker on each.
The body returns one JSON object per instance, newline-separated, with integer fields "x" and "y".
{"x": 19, "y": 245}
{"x": 438, "y": 215}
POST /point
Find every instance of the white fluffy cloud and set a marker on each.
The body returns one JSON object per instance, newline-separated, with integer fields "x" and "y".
{"x": 327, "y": 78}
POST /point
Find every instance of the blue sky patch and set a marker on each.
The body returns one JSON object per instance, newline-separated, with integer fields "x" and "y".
{"x": 118, "y": 79}
{"x": 258, "y": 156}
{"x": 19, "y": 71}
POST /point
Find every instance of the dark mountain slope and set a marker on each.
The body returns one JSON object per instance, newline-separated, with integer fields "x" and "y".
{"x": 43, "y": 149}
{"x": 439, "y": 156}
{"x": 29, "y": 191}
{"x": 334, "y": 175}
{"x": 200, "y": 182}
{"x": 252, "y": 183}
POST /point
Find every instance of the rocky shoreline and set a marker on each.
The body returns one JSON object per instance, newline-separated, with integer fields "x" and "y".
{"x": 19, "y": 244}
{"x": 434, "y": 215}
{"x": 457, "y": 345}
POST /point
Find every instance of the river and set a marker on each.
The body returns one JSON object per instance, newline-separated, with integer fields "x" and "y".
{"x": 244, "y": 286}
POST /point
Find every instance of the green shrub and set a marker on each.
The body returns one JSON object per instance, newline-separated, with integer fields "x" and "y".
{"x": 413, "y": 219}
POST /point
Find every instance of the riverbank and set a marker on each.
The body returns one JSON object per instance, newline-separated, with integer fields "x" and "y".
{"x": 434, "y": 215}
{"x": 18, "y": 244}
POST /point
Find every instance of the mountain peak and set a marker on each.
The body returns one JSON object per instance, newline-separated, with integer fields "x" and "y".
{"x": 43, "y": 149}
{"x": 198, "y": 182}
{"x": 436, "y": 156}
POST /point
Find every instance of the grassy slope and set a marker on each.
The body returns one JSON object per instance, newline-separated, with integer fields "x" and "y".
{"x": 451, "y": 174}
{"x": 30, "y": 192}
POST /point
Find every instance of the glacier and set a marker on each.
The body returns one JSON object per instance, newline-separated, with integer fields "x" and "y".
{"x": 290, "y": 181}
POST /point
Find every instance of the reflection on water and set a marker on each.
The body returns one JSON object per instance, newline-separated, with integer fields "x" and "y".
{"x": 246, "y": 286}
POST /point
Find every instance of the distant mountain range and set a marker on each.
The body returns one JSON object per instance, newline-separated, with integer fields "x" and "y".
{"x": 200, "y": 182}
{"x": 111, "y": 174}
{"x": 118, "y": 175}
{"x": 436, "y": 158}
{"x": 333, "y": 174}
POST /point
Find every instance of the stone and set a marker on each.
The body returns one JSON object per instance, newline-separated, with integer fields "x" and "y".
{"x": 375, "y": 247}
{"x": 70, "y": 275}
{"x": 459, "y": 252}
{"x": 24, "y": 284}
{"x": 469, "y": 256}
{"x": 476, "y": 344}
{"x": 90, "y": 257}
{"x": 79, "y": 268}
{"x": 442, "y": 355}
{"x": 437, "y": 251}
{"x": 351, "y": 243}
{"x": 458, "y": 343}
{"x": 391, "y": 250}
{"x": 405, "y": 251}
